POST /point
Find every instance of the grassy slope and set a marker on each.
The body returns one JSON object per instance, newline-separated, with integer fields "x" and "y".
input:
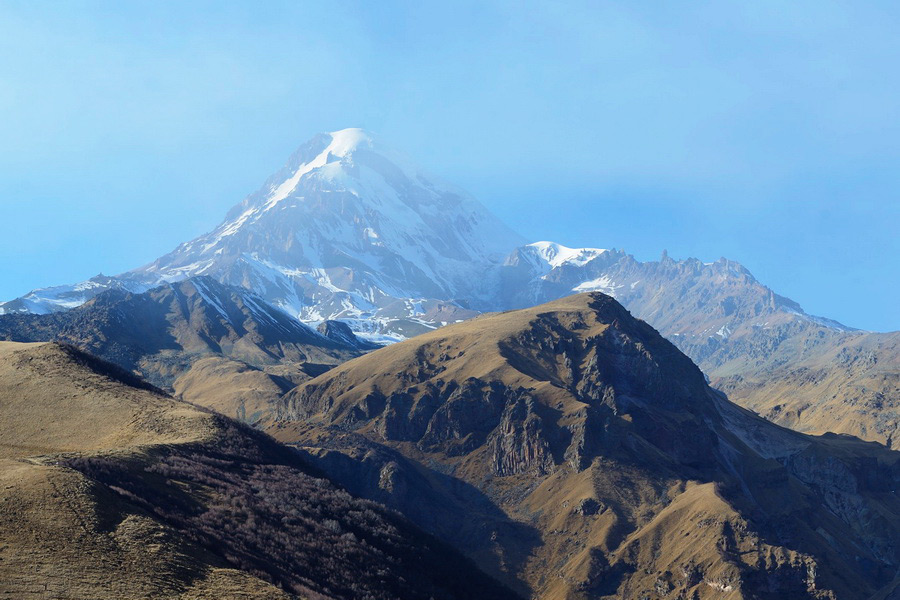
{"x": 111, "y": 489}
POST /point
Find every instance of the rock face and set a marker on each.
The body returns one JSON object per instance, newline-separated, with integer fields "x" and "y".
{"x": 161, "y": 333}
{"x": 576, "y": 453}
{"x": 112, "y": 490}
{"x": 340, "y": 333}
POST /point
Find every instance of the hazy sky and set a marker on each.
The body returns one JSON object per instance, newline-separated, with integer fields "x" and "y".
{"x": 766, "y": 132}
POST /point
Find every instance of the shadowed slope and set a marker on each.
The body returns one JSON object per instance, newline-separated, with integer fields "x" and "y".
{"x": 162, "y": 332}
{"x": 805, "y": 372}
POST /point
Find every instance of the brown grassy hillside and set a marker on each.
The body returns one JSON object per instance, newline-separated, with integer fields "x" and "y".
{"x": 111, "y": 489}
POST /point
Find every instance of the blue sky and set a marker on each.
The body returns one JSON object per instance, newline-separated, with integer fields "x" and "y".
{"x": 766, "y": 132}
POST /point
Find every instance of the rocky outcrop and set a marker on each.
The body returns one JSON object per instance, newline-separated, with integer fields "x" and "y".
{"x": 520, "y": 442}
{"x": 341, "y": 334}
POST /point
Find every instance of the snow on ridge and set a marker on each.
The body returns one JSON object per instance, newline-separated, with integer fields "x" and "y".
{"x": 207, "y": 295}
{"x": 602, "y": 284}
{"x": 821, "y": 321}
{"x": 557, "y": 255}
{"x": 56, "y": 298}
{"x": 335, "y": 168}
{"x": 343, "y": 143}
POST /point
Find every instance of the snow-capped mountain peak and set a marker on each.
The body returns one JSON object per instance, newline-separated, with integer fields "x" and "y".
{"x": 352, "y": 229}
{"x": 345, "y": 228}
{"x": 345, "y": 141}
{"x": 342, "y": 146}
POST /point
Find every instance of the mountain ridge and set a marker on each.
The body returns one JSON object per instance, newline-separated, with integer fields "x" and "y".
{"x": 160, "y": 333}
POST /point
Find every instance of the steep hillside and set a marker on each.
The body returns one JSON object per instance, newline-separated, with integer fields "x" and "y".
{"x": 576, "y": 453}
{"x": 161, "y": 333}
{"x": 818, "y": 380}
{"x": 111, "y": 489}
{"x": 236, "y": 389}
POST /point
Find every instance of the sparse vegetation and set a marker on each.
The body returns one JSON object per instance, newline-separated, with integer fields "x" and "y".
{"x": 284, "y": 525}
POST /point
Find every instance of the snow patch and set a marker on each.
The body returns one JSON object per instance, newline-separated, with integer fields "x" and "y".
{"x": 602, "y": 284}
{"x": 557, "y": 255}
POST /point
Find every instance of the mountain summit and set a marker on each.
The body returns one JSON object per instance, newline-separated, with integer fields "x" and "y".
{"x": 344, "y": 229}
{"x": 575, "y": 453}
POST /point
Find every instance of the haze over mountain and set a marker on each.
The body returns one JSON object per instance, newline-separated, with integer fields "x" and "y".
{"x": 575, "y": 453}
{"x": 758, "y": 134}
{"x": 351, "y": 230}
{"x": 346, "y": 229}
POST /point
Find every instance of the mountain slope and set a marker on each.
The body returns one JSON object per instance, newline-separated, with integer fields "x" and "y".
{"x": 343, "y": 207}
{"x": 114, "y": 490}
{"x": 575, "y": 452}
{"x": 819, "y": 380}
{"x": 162, "y": 332}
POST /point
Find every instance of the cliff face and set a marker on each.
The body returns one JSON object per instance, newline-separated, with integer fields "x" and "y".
{"x": 577, "y": 453}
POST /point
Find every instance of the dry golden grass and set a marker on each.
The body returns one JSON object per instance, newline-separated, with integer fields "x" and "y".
{"x": 51, "y": 403}
{"x": 61, "y": 536}
{"x": 64, "y": 536}
{"x": 233, "y": 388}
